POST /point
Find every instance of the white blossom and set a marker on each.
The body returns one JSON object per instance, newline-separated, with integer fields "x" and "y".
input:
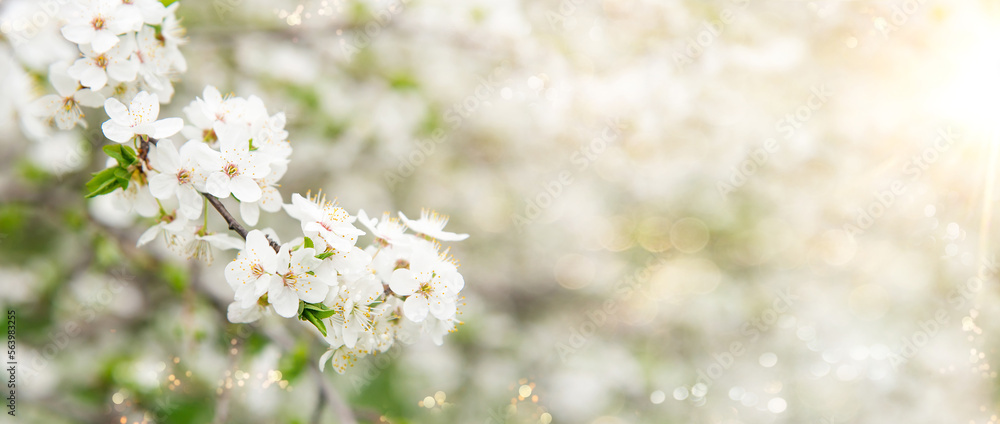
{"x": 431, "y": 224}
{"x": 234, "y": 168}
{"x": 100, "y": 22}
{"x": 138, "y": 118}
{"x": 63, "y": 108}
{"x": 178, "y": 175}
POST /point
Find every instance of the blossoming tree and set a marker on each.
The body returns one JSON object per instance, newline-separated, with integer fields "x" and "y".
{"x": 361, "y": 299}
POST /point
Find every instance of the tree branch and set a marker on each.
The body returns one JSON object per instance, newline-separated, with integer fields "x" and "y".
{"x": 233, "y": 224}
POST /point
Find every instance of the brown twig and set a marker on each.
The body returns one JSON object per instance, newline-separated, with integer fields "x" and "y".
{"x": 233, "y": 224}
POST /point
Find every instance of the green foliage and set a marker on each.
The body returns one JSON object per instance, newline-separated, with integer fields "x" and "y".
{"x": 115, "y": 177}
{"x": 315, "y": 313}
{"x": 176, "y": 276}
{"x": 24, "y": 232}
{"x": 324, "y": 255}
{"x": 106, "y": 252}
{"x": 294, "y": 363}
{"x": 33, "y": 173}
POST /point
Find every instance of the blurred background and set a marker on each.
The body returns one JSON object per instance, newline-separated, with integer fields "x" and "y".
{"x": 729, "y": 211}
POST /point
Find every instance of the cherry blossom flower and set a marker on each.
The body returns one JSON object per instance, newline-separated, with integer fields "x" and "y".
{"x": 138, "y": 118}
{"x": 173, "y": 229}
{"x": 324, "y": 219}
{"x": 353, "y": 303}
{"x": 431, "y": 224}
{"x": 94, "y": 69}
{"x": 430, "y": 286}
{"x": 151, "y": 12}
{"x": 251, "y": 273}
{"x": 387, "y": 231}
{"x": 179, "y": 175}
{"x": 64, "y": 108}
{"x": 233, "y": 169}
{"x": 100, "y": 22}
{"x": 270, "y": 198}
{"x": 200, "y": 245}
{"x": 294, "y": 282}
{"x": 244, "y": 315}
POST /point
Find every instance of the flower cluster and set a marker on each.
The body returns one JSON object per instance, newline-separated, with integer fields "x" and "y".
{"x": 125, "y": 47}
{"x": 244, "y": 155}
{"x": 361, "y": 300}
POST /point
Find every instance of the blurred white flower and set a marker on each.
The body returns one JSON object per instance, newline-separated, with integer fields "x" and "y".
{"x": 100, "y": 22}
{"x": 431, "y": 224}
{"x": 94, "y": 69}
{"x": 64, "y": 108}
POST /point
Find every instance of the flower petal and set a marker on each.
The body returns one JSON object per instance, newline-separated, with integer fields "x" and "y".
{"x": 167, "y": 127}
{"x": 79, "y": 33}
{"x": 217, "y": 185}
{"x": 190, "y": 202}
{"x": 148, "y": 235}
{"x": 162, "y": 186}
{"x": 415, "y": 308}
{"x": 118, "y": 112}
{"x": 245, "y": 189}
{"x": 285, "y": 303}
{"x": 311, "y": 290}
{"x": 116, "y": 132}
{"x": 402, "y": 282}
{"x": 441, "y": 307}
{"x": 259, "y": 247}
{"x": 249, "y": 212}
{"x": 103, "y": 41}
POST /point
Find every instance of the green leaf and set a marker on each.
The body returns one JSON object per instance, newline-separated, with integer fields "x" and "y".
{"x": 103, "y": 182}
{"x": 123, "y": 177}
{"x": 324, "y": 255}
{"x": 314, "y": 306}
{"x": 121, "y": 153}
{"x": 309, "y": 243}
{"x": 323, "y": 314}
{"x": 308, "y": 316}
